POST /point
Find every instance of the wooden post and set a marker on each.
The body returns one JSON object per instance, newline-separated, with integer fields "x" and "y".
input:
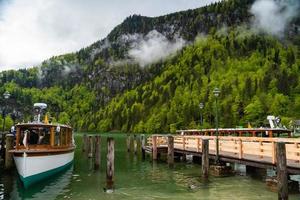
{"x": 205, "y": 158}
{"x": 282, "y": 176}
{"x": 183, "y": 158}
{"x": 240, "y": 149}
{"x": 52, "y": 137}
{"x": 154, "y": 147}
{"x": 9, "y": 143}
{"x": 273, "y": 153}
{"x": 170, "y": 151}
{"x": 135, "y": 144}
{"x": 128, "y": 142}
{"x": 110, "y": 168}
{"x": 84, "y": 142}
{"x": 97, "y": 152}
{"x": 90, "y": 147}
{"x": 2, "y": 145}
{"x": 143, "y": 142}
{"x": 198, "y": 144}
{"x": 131, "y": 143}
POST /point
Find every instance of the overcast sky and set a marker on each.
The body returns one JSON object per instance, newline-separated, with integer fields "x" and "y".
{"x": 34, "y": 30}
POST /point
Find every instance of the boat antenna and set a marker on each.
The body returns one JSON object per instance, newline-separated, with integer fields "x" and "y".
{"x": 38, "y": 110}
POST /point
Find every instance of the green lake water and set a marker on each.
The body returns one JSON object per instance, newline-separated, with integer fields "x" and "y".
{"x": 135, "y": 179}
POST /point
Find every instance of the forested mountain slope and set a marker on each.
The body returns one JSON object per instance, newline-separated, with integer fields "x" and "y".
{"x": 150, "y": 74}
{"x": 257, "y": 76}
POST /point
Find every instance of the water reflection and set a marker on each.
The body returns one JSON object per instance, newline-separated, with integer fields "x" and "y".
{"x": 6, "y": 183}
{"x": 50, "y": 189}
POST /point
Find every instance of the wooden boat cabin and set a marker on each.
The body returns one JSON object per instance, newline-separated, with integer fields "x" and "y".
{"x": 40, "y": 136}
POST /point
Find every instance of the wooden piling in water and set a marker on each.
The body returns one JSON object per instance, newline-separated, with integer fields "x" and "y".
{"x": 110, "y": 170}
{"x": 9, "y": 143}
{"x": 131, "y": 143}
{"x": 90, "y": 147}
{"x": 97, "y": 151}
{"x": 205, "y": 158}
{"x": 128, "y": 142}
{"x": 143, "y": 143}
{"x": 154, "y": 147}
{"x": 2, "y": 150}
{"x": 84, "y": 142}
{"x": 134, "y": 144}
{"x": 282, "y": 176}
{"x": 170, "y": 151}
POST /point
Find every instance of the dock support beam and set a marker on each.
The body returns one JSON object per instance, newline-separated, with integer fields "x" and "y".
{"x": 9, "y": 143}
{"x": 128, "y": 142}
{"x": 135, "y": 144}
{"x": 205, "y": 158}
{"x": 110, "y": 168}
{"x": 90, "y": 147}
{"x": 282, "y": 176}
{"x": 143, "y": 143}
{"x": 170, "y": 151}
{"x": 154, "y": 147}
{"x": 84, "y": 142}
{"x": 97, "y": 151}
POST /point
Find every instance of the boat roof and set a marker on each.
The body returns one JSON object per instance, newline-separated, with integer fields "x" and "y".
{"x": 36, "y": 124}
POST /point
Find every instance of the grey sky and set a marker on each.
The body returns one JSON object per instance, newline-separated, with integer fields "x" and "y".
{"x": 34, "y": 30}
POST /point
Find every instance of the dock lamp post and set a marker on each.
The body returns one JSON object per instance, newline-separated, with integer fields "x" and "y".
{"x": 217, "y": 92}
{"x": 201, "y": 106}
{"x": 6, "y": 96}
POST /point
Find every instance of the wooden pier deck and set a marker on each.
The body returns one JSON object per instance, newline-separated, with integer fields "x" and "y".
{"x": 252, "y": 132}
{"x": 253, "y": 151}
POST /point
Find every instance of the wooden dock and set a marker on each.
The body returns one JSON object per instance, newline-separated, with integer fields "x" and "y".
{"x": 251, "y": 151}
{"x": 240, "y": 132}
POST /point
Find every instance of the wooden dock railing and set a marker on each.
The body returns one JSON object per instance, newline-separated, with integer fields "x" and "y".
{"x": 256, "y": 149}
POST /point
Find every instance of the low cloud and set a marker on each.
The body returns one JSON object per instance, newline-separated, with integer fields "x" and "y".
{"x": 152, "y": 47}
{"x": 34, "y": 30}
{"x": 272, "y": 16}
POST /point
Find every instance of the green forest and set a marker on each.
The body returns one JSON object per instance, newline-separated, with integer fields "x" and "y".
{"x": 258, "y": 75}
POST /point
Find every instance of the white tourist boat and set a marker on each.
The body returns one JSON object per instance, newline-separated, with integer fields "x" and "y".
{"x": 42, "y": 149}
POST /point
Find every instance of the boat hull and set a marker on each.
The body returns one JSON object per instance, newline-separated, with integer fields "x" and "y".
{"x": 33, "y": 168}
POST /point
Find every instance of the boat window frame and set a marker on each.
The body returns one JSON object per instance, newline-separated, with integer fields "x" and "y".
{"x": 67, "y": 133}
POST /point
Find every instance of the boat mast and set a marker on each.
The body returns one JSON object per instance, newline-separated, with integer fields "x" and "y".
{"x": 38, "y": 109}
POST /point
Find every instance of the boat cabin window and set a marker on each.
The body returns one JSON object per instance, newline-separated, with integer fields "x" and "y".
{"x": 54, "y": 136}
{"x": 62, "y": 136}
{"x": 34, "y": 136}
